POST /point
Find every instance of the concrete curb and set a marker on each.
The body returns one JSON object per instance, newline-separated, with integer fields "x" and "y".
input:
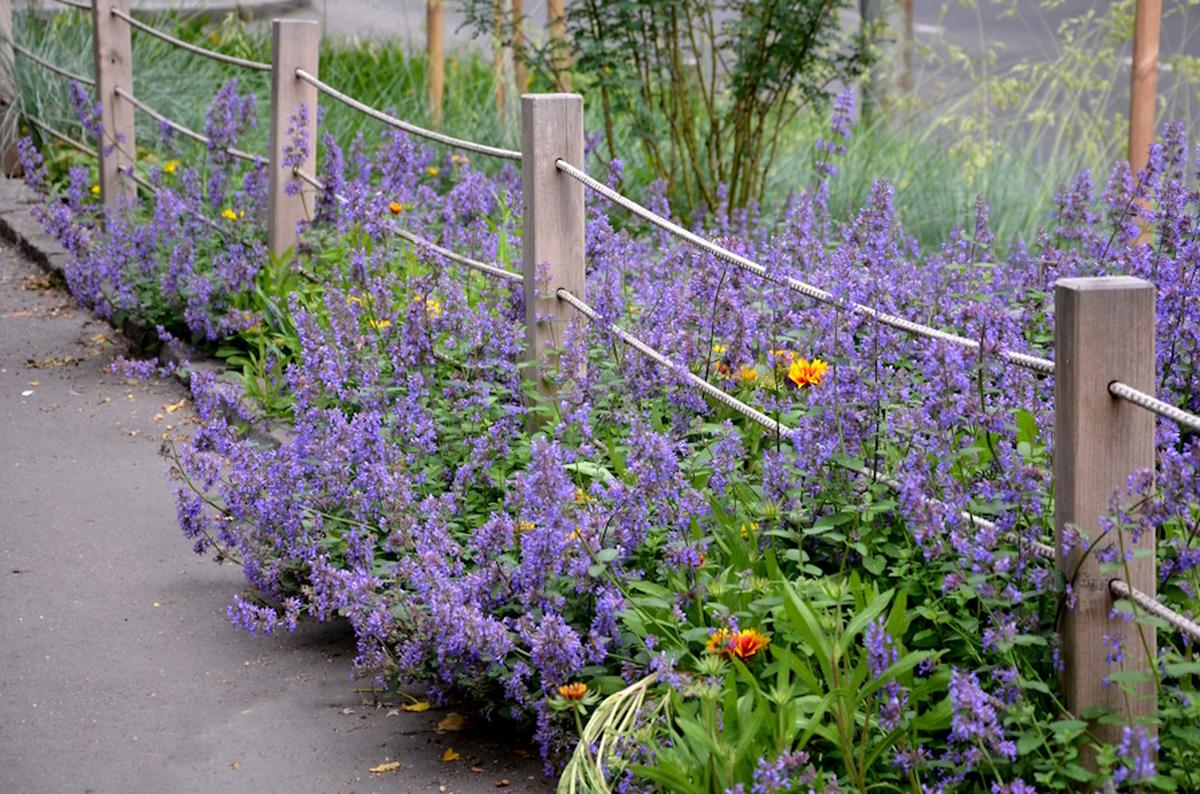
{"x": 18, "y": 226}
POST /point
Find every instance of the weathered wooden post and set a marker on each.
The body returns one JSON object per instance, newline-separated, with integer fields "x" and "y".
{"x": 295, "y": 44}
{"x": 1143, "y": 89}
{"x": 520, "y": 69}
{"x": 1104, "y": 332}
{"x": 9, "y": 161}
{"x": 111, "y": 36}
{"x": 560, "y": 59}
{"x": 435, "y": 50}
{"x": 1143, "y": 80}
{"x": 551, "y": 128}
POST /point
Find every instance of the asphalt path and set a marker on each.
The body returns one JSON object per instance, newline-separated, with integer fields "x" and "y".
{"x": 119, "y": 671}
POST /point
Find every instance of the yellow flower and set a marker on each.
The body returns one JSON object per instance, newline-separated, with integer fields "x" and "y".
{"x": 357, "y": 301}
{"x": 433, "y": 170}
{"x": 95, "y": 190}
{"x": 575, "y": 691}
{"x": 805, "y": 373}
{"x": 524, "y": 526}
{"x": 582, "y": 496}
{"x": 170, "y": 166}
{"x": 576, "y": 534}
{"x": 433, "y": 307}
{"x": 719, "y": 349}
{"x": 395, "y": 207}
{"x": 747, "y": 375}
{"x": 460, "y": 159}
{"x": 748, "y": 529}
{"x": 718, "y": 641}
{"x": 229, "y": 214}
{"x": 380, "y": 323}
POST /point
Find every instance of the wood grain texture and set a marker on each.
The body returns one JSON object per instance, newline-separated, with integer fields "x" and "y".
{"x": 551, "y": 128}
{"x": 1104, "y": 331}
{"x": 114, "y": 69}
{"x": 295, "y": 44}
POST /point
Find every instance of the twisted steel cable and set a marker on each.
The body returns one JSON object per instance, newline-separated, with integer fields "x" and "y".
{"x": 632, "y": 341}
{"x": 378, "y": 115}
{"x": 1042, "y": 549}
{"x": 1154, "y": 405}
{"x": 182, "y": 130}
{"x": 62, "y": 136}
{"x": 1024, "y": 360}
{"x": 207, "y": 53}
{"x": 33, "y": 56}
{"x": 1120, "y": 589}
{"x": 75, "y": 4}
{"x": 474, "y": 264}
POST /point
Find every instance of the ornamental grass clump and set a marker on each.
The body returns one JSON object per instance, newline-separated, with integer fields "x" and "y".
{"x": 712, "y": 605}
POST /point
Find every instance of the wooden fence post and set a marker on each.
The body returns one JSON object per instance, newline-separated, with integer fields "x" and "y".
{"x": 9, "y": 160}
{"x": 435, "y": 62}
{"x": 295, "y": 44}
{"x": 551, "y": 128}
{"x": 560, "y": 59}
{"x": 111, "y": 36}
{"x": 1104, "y": 331}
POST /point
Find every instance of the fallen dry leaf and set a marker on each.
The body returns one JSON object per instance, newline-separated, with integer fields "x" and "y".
{"x": 420, "y": 705}
{"x": 159, "y": 417}
{"x": 477, "y": 769}
{"x": 173, "y": 407}
{"x": 502, "y": 783}
{"x": 390, "y": 766}
{"x": 47, "y": 363}
{"x": 236, "y": 764}
{"x": 452, "y": 722}
{"x": 347, "y": 711}
{"x": 450, "y": 755}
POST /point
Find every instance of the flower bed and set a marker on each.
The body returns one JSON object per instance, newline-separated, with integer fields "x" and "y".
{"x": 766, "y": 616}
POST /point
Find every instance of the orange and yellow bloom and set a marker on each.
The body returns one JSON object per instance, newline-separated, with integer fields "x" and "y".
{"x": 395, "y": 208}
{"x": 575, "y": 691}
{"x": 748, "y": 642}
{"x": 804, "y": 373}
{"x": 718, "y": 641}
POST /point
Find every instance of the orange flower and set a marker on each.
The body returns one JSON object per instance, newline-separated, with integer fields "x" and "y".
{"x": 805, "y": 373}
{"x": 718, "y": 641}
{"x": 747, "y": 375}
{"x": 747, "y": 642}
{"x": 395, "y": 207}
{"x": 574, "y": 691}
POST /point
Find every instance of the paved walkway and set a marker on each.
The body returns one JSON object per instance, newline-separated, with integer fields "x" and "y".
{"x": 118, "y": 669}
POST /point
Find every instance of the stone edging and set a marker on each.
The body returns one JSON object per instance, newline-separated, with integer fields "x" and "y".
{"x": 18, "y": 226}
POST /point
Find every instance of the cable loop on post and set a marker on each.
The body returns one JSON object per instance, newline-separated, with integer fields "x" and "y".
{"x": 1154, "y": 405}
{"x": 182, "y": 130}
{"x": 88, "y": 81}
{"x": 816, "y": 293}
{"x": 216, "y": 56}
{"x": 378, "y": 115}
{"x": 1120, "y": 589}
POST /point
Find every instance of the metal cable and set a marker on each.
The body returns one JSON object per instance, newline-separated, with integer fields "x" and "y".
{"x": 1038, "y": 547}
{"x": 75, "y": 4}
{"x": 62, "y": 136}
{"x": 182, "y": 130}
{"x": 482, "y": 267}
{"x": 1154, "y": 405}
{"x": 816, "y": 293}
{"x": 1120, "y": 589}
{"x": 53, "y": 67}
{"x": 632, "y": 341}
{"x": 478, "y": 148}
{"x": 216, "y": 56}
